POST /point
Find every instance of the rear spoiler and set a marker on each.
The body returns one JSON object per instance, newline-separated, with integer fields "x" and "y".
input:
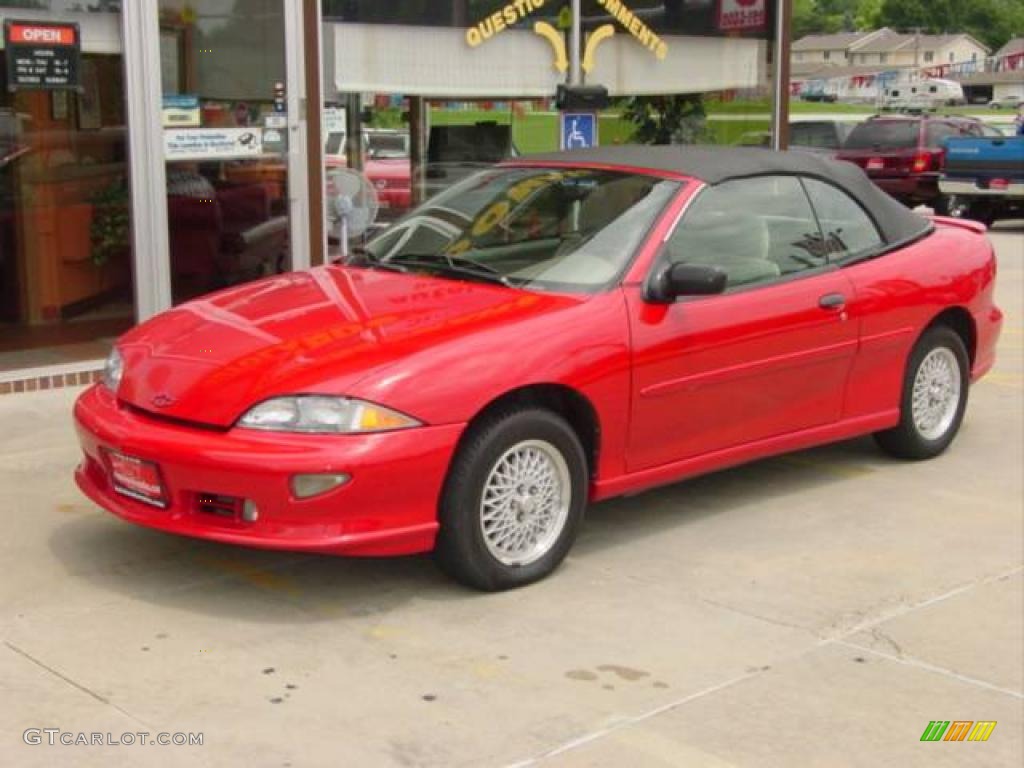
{"x": 972, "y": 226}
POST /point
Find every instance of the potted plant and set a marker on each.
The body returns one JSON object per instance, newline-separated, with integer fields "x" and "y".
{"x": 111, "y": 223}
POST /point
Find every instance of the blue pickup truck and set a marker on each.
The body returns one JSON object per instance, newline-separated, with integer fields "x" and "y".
{"x": 983, "y": 178}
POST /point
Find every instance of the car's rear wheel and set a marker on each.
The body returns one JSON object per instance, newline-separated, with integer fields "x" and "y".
{"x": 934, "y": 397}
{"x": 513, "y": 500}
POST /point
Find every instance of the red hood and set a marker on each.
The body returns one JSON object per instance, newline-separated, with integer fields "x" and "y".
{"x": 319, "y": 331}
{"x": 397, "y": 168}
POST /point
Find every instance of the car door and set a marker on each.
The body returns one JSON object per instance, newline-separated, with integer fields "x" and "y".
{"x": 769, "y": 356}
{"x": 888, "y": 319}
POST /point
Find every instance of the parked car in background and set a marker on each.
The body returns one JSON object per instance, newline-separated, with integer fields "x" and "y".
{"x": 904, "y": 154}
{"x": 819, "y": 95}
{"x": 1006, "y": 102}
{"x": 389, "y": 170}
{"x": 822, "y": 136}
{"x": 586, "y": 325}
{"x": 387, "y": 166}
{"x": 984, "y": 178}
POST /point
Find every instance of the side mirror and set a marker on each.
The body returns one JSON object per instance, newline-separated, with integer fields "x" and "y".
{"x": 675, "y": 280}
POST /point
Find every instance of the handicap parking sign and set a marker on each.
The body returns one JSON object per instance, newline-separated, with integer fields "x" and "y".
{"x": 579, "y": 130}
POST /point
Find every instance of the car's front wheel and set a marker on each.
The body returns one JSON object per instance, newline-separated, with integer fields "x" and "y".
{"x": 934, "y": 397}
{"x": 513, "y": 500}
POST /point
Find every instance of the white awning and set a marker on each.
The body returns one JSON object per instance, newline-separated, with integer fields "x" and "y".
{"x": 437, "y": 62}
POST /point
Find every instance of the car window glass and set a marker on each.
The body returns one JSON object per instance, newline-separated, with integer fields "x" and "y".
{"x": 755, "y": 230}
{"x": 541, "y": 228}
{"x": 426, "y": 239}
{"x": 848, "y": 230}
{"x": 937, "y": 133}
{"x": 821, "y": 135}
{"x": 895, "y": 134}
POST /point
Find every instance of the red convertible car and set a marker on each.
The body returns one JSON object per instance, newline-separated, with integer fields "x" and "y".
{"x": 552, "y": 331}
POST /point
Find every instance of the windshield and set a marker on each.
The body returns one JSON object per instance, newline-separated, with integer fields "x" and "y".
{"x": 884, "y": 134}
{"x": 821, "y": 135}
{"x": 571, "y": 230}
{"x": 384, "y": 145}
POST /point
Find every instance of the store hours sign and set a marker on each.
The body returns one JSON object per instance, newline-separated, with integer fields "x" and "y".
{"x": 42, "y": 56}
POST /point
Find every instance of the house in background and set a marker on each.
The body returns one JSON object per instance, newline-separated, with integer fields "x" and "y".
{"x": 857, "y": 67}
{"x": 814, "y": 52}
{"x": 897, "y": 50}
{"x": 882, "y": 49}
{"x": 1008, "y": 79}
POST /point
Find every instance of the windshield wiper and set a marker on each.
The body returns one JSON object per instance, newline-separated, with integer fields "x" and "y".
{"x": 455, "y": 264}
{"x": 359, "y": 256}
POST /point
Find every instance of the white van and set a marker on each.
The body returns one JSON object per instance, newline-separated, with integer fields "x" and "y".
{"x": 922, "y": 95}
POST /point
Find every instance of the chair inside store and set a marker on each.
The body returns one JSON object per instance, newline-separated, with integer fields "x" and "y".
{"x": 222, "y": 232}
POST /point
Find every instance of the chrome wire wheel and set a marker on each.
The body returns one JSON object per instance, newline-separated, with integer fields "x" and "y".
{"x": 525, "y": 503}
{"x": 936, "y": 393}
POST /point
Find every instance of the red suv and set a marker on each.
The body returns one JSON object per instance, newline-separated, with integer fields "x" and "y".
{"x": 904, "y": 154}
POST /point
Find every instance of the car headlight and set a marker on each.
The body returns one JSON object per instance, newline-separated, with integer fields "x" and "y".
{"x": 113, "y": 370}
{"x": 324, "y": 415}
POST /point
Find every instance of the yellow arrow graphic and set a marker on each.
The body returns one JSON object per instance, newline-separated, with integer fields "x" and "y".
{"x": 597, "y": 37}
{"x": 554, "y": 37}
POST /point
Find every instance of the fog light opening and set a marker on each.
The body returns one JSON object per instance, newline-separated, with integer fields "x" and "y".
{"x": 250, "y": 512}
{"x": 308, "y": 486}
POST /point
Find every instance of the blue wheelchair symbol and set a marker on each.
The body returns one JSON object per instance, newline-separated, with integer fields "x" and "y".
{"x": 579, "y": 130}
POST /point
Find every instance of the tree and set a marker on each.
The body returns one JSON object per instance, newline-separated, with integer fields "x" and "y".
{"x": 991, "y": 21}
{"x": 867, "y": 14}
{"x": 830, "y": 16}
{"x": 674, "y": 119}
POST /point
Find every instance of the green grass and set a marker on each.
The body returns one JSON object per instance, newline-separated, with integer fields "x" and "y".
{"x": 533, "y": 132}
{"x": 538, "y": 131}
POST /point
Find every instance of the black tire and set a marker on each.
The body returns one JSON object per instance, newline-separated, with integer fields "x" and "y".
{"x": 461, "y": 550}
{"x": 983, "y": 213}
{"x": 906, "y": 440}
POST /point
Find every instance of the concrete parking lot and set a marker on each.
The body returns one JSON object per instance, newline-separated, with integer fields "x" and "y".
{"x": 817, "y": 609}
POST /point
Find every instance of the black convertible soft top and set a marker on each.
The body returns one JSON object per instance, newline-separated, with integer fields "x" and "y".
{"x": 714, "y": 165}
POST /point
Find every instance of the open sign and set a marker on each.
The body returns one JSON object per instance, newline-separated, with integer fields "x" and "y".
{"x": 41, "y": 56}
{"x": 45, "y": 34}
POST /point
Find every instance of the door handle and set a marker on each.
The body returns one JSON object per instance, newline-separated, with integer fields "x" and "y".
{"x": 834, "y": 301}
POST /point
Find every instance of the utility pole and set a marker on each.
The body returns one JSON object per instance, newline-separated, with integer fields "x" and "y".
{"x": 782, "y": 46}
{"x": 576, "y": 43}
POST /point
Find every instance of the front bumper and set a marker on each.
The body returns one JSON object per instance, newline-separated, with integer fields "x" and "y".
{"x": 971, "y": 189}
{"x": 389, "y": 507}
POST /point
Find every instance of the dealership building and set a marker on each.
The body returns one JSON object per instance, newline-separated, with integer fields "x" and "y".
{"x": 153, "y": 152}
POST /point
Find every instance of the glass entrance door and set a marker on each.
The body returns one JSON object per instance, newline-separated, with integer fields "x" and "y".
{"x": 227, "y": 125}
{"x": 66, "y": 277}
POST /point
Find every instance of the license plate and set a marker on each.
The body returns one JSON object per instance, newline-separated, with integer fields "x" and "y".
{"x": 137, "y": 479}
{"x": 876, "y": 164}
